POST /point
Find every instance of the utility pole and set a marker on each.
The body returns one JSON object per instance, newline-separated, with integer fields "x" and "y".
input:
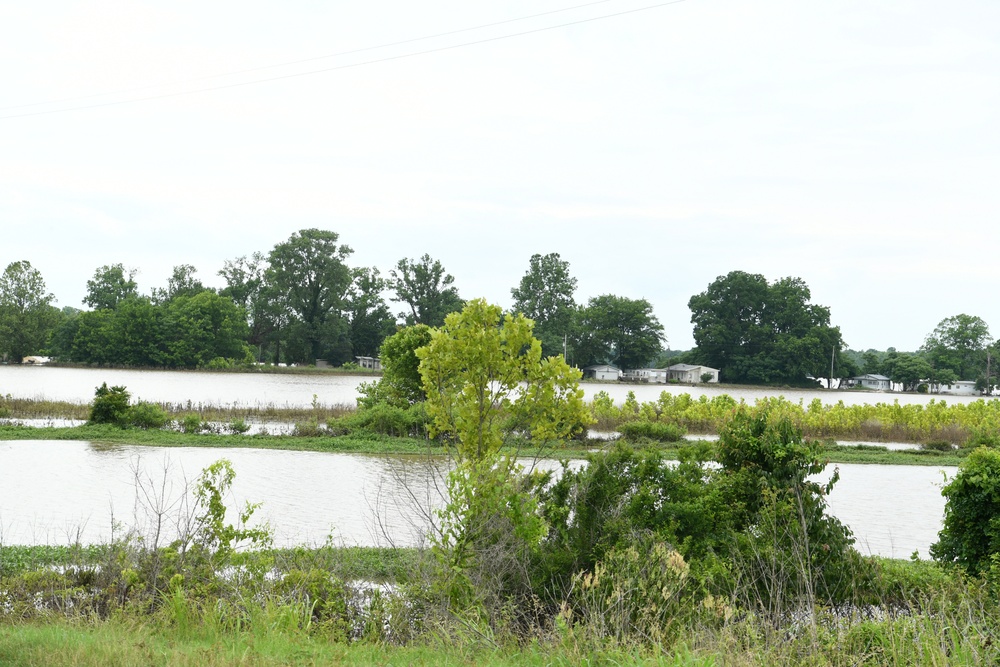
{"x": 833, "y": 352}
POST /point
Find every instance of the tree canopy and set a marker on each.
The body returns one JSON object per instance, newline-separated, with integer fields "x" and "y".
{"x": 425, "y": 287}
{"x": 483, "y": 372}
{"x": 26, "y": 312}
{"x": 309, "y": 270}
{"x": 545, "y": 295}
{"x": 110, "y": 285}
{"x": 616, "y": 330}
{"x": 760, "y": 332}
{"x": 959, "y": 344}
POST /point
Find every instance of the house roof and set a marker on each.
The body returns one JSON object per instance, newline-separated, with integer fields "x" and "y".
{"x": 690, "y": 367}
{"x": 600, "y": 367}
{"x": 872, "y": 376}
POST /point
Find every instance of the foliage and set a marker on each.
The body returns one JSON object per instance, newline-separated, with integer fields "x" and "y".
{"x": 146, "y": 416}
{"x": 371, "y": 320}
{"x": 760, "y": 332}
{"x": 970, "y": 536}
{"x": 483, "y": 374}
{"x": 958, "y": 344}
{"x": 616, "y": 330}
{"x": 426, "y": 289}
{"x": 645, "y": 430}
{"x": 545, "y": 296}
{"x": 309, "y": 271}
{"x": 111, "y": 285}
{"x": 401, "y": 384}
{"x": 197, "y": 330}
{"x": 110, "y": 405}
{"x": 27, "y": 316}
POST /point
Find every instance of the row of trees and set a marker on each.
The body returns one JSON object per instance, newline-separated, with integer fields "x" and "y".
{"x": 300, "y": 302}
{"x": 959, "y": 348}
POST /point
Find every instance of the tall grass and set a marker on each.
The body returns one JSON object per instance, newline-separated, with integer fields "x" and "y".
{"x": 957, "y": 424}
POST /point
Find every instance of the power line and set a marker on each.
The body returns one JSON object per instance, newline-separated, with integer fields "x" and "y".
{"x": 348, "y": 66}
{"x": 311, "y": 59}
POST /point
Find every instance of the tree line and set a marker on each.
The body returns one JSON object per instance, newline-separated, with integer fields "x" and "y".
{"x": 300, "y": 302}
{"x": 304, "y": 301}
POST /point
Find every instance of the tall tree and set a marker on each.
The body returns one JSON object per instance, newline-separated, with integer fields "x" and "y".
{"x": 181, "y": 282}
{"x": 754, "y": 331}
{"x": 110, "y": 285}
{"x": 545, "y": 295}
{"x": 27, "y": 316}
{"x": 426, "y": 289}
{"x": 247, "y": 287}
{"x": 959, "y": 344}
{"x": 309, "y": 272}
{"x": 371, "y": 319}
{"x": 617, "y": 330}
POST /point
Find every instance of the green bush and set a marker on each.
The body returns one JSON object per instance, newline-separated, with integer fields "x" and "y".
{"x": 110, "y": 405}
{"x": 146, "y": 416}
{"x": 238, "y": 427}
{"x": 191, "y": 423}
{"x": 644, "y": 430}
{"x": 971, "y": 532}
{"x": 386, "y": 419}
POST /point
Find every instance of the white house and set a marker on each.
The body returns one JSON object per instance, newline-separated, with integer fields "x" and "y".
{"x": 601, "y": 372}
{"x": 690, "y": 373}
{"x": 872, "y": 381}
{"x": 959, "y": 388}
{"x": 658, "y": 375}
{"x": 371, "y": 363}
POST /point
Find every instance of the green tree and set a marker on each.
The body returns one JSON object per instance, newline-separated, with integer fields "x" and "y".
{"x": 181, "y": 282}
{"x": 309, "y": 272}
{"x": 617, "y": 330}
{"x": 201, "y": 328}
{"x": 371, "y": 319}
{"x": 907, "y": 369}
{"x": 485, "y": 378}
{"x": 247, "y": 287}
{"x": 27, "y": 316}
{"x": 754, "y": 331}
{"x": 426, "y": 289}
{"x": 483, "y": 371}
{"x": 545, "y": 295}
{"x": 970, "y": 536}
{"x": 401, "y": 384}
{"x": 110, "y": 285}
{"x": 959, "y": 344}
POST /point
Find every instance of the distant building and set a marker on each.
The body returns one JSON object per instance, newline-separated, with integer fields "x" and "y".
{"x": 691, "y": 373}
{"x": 371, "y": 363}
{"x": 959, "y": 388}
{"x": 35, "y": 361}
{"x": 601, "y": 372}
{"x": 871, "y": 381}
{"x": 646, "y": 375}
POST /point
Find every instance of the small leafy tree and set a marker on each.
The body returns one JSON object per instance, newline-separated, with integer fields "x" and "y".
{"x": 485, "y": 379}
{"x": 110, "y": 405}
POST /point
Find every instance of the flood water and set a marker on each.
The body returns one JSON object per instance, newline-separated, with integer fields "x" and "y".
{"x": 294, "y": 390}
{"x": 55, "y": 492}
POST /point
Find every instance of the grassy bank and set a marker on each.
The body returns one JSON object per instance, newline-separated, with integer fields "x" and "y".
{"x": 382, "y": 444}
{"x": 908, "y": 613}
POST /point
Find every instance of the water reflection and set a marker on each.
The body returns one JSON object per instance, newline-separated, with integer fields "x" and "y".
{"x": 54, "y": 492}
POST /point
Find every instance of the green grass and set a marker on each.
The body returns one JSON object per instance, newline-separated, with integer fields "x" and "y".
{"x": 127, "y": 644}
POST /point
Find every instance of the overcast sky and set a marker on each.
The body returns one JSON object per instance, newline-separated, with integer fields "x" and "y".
{"x": 853, "y": 144}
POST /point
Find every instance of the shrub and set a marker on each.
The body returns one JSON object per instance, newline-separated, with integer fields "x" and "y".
{"x": 110, "y": 405}
{"x": 971, "y": 532}
{"x": 238, "y": 427}
{"x": 191, "y": 423}
{"x": 146, "y": 415}
{"x": 633, "y": 431}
